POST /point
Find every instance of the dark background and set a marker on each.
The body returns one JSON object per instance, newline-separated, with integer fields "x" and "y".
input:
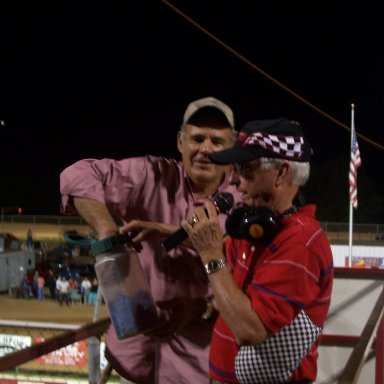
{"x": 112, "y": 79}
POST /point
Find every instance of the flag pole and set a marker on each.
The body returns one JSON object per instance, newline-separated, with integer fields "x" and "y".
{"x": 354, "y": 164}
{"x": 350, "y": 200}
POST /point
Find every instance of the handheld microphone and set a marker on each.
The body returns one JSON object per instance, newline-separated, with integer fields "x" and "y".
{"x": 223, "y": 202}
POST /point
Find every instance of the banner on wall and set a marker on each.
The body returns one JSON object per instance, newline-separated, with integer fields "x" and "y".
{"x": 73, "y": 355}
{"x": 29, "y": 381}
{"x": 12, "y": 343}
{"x": 365, "y": 262}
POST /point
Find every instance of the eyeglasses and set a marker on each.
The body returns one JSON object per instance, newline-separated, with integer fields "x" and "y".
{"x": 246, "y": 168}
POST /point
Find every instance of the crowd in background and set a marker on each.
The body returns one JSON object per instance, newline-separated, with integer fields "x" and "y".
{"x": 64, "y": 288}
{"x": 61, "y": 284}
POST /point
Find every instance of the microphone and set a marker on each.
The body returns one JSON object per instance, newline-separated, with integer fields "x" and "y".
{"x": 223, "y": 202}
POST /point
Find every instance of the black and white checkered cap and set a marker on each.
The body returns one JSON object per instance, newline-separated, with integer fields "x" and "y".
{"x": 277, "y": 138}
{"x": 286, "y": 146}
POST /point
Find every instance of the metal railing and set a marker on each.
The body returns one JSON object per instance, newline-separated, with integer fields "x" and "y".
{"x": 371, "y": 339}
{"x": 43, "y": 219}
{"x": 74, "y": 219}
{"x": 23, "y": 356}
{"x": 365, "y": 234}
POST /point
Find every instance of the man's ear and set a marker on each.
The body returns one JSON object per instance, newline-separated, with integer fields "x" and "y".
{"x": 179, "y": 141}
{"x": 282, "y": 173}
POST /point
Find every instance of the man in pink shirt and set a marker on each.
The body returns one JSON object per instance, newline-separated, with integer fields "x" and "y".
{"x": 151, "y": 195}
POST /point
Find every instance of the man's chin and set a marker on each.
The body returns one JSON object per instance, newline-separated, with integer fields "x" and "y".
{"x": 204, "y": 176}
{"x": 249, "y": 203}
{"x": 199, "y": 166}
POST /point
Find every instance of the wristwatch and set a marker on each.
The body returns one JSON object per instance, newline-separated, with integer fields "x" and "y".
{"x": 108, "y": 243}
{"x": 214, "y": 265}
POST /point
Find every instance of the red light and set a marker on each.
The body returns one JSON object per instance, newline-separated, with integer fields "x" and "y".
{"x": 19, "y": 210}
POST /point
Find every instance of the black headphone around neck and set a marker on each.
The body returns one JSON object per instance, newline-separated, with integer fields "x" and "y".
{"x": 259, "y": 224}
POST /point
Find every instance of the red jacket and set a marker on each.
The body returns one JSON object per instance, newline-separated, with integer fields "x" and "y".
{"x": 293, "y": 273}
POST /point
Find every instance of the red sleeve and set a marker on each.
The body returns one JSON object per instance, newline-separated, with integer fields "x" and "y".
{"x": 285, "y": 282}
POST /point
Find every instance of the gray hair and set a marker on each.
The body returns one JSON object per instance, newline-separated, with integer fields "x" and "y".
{"x": 301, "y": 170}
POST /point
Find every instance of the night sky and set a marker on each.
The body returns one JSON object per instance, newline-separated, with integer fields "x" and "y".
{"x": 113, "y": 78}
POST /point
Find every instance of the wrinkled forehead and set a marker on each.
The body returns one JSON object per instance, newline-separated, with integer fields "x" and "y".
{"x": 208, "y": 131}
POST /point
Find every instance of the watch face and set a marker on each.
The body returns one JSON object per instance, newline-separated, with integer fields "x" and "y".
{"x": 213, "y": 264}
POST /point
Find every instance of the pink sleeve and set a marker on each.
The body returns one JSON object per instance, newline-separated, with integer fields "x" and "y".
{"x": 113, "y": 182}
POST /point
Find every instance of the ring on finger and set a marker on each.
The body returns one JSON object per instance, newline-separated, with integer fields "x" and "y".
{"x": 193, "y": 221}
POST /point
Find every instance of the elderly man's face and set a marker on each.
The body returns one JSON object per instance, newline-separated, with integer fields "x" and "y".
{"x": 256, "y": 183}
{"x": 196, "y": 144}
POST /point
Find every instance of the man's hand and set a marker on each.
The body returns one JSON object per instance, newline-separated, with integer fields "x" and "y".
{"x": 204, "y": 232}
{"x": 140, "y": 230}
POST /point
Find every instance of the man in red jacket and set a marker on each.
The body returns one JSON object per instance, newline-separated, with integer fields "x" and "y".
{"x": 273, "y": 281}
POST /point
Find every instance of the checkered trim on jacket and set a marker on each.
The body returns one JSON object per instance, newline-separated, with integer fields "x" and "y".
{"x": 275, "y": 360}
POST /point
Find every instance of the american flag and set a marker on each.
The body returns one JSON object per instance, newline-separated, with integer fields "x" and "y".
{"x": 353, "y": 166}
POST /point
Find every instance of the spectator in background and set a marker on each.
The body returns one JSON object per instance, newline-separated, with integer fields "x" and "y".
{"x": 85, "y": 288}
{"x": 40, "y": 287}
{"x": 29, "y": 241}
{"x": 93, "y": 291}
{"x": 72, "y": 283}
{"x": 51, "y": 282}
{"x": 35, "y": 283}
{"x": 25, "y": 287}
{"x": 58, "y": 288}
{"x": 64, "y": 290}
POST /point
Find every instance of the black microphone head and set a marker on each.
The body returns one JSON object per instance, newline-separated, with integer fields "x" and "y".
{"x": 224, "y": 201}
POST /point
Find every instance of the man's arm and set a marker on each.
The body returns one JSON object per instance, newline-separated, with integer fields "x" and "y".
{"x": 97, "y": 216}
{"x": 234, "y": 305}
{"x": 89, "y": 186}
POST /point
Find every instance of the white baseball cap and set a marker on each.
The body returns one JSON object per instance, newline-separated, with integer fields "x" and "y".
{"x": 210, "y": 102}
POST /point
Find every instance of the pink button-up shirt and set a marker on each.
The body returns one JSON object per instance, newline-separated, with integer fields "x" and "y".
{"x": 152, "y": 189}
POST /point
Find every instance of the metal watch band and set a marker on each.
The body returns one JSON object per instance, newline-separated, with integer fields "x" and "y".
{"x": 214, "y": 265}
{"x": 108, "y": 243}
